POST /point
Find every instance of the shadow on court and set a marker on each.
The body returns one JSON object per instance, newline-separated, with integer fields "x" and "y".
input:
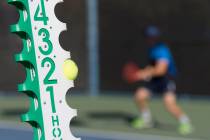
{"x": 128, "y": 118}
{"x": 13, "y": 112}
{"x": 112, "y": 116}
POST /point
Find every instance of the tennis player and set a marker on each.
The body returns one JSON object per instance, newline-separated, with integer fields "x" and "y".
{"x": 159, "y": 79}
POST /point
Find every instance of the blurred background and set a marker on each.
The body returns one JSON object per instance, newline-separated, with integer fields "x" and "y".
{"x": 102, "y": 36}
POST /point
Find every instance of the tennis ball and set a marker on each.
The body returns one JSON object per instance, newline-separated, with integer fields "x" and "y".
{"x": 70, "y": 69}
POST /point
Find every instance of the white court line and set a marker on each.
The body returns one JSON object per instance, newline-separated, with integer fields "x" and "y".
{"x": 116, "y": 135}
{"x": 15, "y": 126}
{"x": 97, "y": 134}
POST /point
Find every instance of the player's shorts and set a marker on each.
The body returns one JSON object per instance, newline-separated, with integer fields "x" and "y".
{"x": 161, "y": 85}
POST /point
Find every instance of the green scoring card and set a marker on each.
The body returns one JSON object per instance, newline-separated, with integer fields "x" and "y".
{"x": 43, "y": 58}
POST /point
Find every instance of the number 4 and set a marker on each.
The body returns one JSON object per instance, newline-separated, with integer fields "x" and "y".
{"x": 41, "y": 16}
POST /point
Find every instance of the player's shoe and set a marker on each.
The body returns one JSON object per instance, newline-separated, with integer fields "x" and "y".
{"x": 139, "y": 123}
{"x": 185, "y": 129}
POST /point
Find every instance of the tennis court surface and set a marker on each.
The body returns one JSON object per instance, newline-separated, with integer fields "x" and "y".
{"x": 10, "y": 131}
{"x": 107, "y": 118}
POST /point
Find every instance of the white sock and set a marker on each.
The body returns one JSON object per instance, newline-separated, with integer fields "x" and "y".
{"x": 184, "y": 119}
{"x": 146, "y": 115}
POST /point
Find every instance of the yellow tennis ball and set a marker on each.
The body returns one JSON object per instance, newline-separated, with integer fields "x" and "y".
{"x": 70, "y": 69}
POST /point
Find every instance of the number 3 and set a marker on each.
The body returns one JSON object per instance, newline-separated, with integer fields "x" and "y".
{"x": 46, "y": 40}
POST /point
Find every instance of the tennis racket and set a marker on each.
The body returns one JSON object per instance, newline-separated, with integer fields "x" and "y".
{"x": 129, "y": 72}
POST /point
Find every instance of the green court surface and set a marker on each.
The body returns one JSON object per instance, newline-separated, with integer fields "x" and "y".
{"x": 113, "y": 113}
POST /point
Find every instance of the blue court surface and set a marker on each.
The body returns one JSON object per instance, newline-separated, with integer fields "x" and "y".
{"x": 9, "y": 131}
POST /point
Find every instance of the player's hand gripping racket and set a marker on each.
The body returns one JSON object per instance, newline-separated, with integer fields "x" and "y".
{"x": 130, "y": 71}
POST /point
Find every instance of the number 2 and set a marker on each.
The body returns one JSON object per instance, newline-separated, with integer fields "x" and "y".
{"x": 51, "y": 63}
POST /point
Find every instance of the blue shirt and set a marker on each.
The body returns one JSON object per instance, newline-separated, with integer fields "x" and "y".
{"x": 160, "y": 51}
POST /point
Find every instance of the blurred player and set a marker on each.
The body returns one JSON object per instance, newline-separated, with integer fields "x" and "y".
{"x": 158, "y": 77}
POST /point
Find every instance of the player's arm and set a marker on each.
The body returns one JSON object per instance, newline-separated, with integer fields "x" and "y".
{"x": 160, "y": 69}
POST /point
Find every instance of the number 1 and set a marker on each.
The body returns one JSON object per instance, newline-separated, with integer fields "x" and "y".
{"x": 51, "y": 91}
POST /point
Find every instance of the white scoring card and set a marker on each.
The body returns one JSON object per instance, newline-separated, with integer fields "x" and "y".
{"x": 50, "y": 57}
